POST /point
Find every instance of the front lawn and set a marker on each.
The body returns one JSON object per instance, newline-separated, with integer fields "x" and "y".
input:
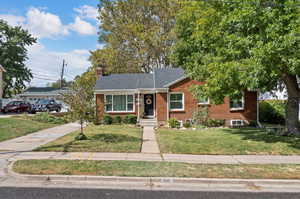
{"x": 225, "y": 141}
{"x": 12, "y": 127}
{"x": 110, "y": 138}
{"x": 155, "y": 169}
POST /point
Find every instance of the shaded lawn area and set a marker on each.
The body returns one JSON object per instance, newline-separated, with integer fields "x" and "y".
{"x": 12, "y": 127}
{"x": 110, "y": 138}
{"x": 225, "y": 141}
{"x": 155, "y": 169}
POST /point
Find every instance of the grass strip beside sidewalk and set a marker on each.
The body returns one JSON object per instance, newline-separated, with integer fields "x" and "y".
{"x": 226, "y": 141}
{"x": 155, "y": 169}
{"x": 102, "y": 138}
{"x": 12, "y": 128}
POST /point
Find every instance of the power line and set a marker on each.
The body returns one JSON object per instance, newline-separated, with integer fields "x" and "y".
{"x": 47, "y": 76}
{"x": 44, "y": 78}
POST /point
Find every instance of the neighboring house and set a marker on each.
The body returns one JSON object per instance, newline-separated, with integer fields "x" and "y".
{"x": 1, "y": 81}
{"x": 165, "y": 94}
{"x": 33, "y": 94}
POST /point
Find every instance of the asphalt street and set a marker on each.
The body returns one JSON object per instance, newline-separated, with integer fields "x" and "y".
{"x": 65, "y": 193}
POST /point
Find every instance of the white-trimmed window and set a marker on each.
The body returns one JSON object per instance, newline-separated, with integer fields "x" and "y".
{"x": 237, "y": 103}
{"x": 119, "y": 103}
{"x": 176, "y": 101}
{"x": 203, "y": 100}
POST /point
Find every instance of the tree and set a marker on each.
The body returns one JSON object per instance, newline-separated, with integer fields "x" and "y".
{"x": 242, "y": 44}
{"x": 56, "y": 84}
{"x": 81, "y": 99}
{"x": 138, "y": 34}
{"x": 13, "y": 54}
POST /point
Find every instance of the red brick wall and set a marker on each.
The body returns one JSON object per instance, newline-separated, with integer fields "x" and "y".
{"x": 161, "y": 106}
{"x": 190, "y": 103}
{"x": 100, "y": 106}
{"x": 221, "y": 111}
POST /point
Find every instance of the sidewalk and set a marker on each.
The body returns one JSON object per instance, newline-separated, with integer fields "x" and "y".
{"x": 34, "y": 140}
{"x": 199, "y": 159}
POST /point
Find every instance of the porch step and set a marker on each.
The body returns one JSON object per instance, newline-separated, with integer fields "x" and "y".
{"x": 148, "y": 122}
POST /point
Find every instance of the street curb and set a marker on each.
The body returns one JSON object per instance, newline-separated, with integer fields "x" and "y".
{"x": 146, "y": 180}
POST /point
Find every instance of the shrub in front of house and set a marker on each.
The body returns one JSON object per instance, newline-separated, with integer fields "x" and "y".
{"x": 107, "y": 119}
{"x": 130, "y": 119}
{"x": 96, "y": 121}
{"x": 117, "y": 119}
{"x": 200, "y": 116}
{"x": 187, "y": 124}
{"x": 272, "y": 111}
{"x": 174, "y": 123}
{"x": 253, "y": 123}
{"x": 215, "y": 123}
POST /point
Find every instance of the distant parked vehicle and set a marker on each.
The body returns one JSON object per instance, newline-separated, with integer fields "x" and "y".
{"x": 16, "y": 107}
{"x": 46, "y": 105}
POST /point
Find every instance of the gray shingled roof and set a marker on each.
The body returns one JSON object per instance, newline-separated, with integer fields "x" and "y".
{"x": 44, "y": 91}
{"x": 158, "y": 79}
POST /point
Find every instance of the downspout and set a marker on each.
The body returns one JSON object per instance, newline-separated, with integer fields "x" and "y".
{"x": 168, "y": 108}
{"x": 139, "y": 103}
{"x": 257, "y": 109}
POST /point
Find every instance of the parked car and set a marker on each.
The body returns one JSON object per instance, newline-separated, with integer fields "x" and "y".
{"x": 46, "y": 105}
{"x": 17, "y": 107}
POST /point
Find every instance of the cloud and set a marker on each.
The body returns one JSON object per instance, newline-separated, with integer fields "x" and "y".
{"x": 83, "y": 27}
{"x": 87, "y": 12}
{"x": 12, "y": 19}
{"x": 44, "y": 25}
{"x": 46, "y": 64}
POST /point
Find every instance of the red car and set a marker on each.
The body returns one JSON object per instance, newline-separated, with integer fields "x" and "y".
{"x": 17, "y": 107}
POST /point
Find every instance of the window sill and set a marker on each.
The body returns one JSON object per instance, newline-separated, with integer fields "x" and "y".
{"x": 204, "y": 104}
{"x": 119, "y": 111}
{"x": 177, "y": 110}
{"x": 237, "y": 109}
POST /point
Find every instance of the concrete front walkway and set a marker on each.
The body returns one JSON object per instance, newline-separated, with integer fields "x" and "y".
{"x": 149, "y": 144}
{"x": 34, "y": 140}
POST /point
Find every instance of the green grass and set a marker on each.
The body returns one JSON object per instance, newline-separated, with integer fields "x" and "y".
{"x": 110, "y": 138}
{"x": 227, "y": 141}
{"x": 12, "y": 127}
{"x": 155, "y": 169}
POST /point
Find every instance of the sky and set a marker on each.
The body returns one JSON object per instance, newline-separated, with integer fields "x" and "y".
{"x": 65, "y": 29}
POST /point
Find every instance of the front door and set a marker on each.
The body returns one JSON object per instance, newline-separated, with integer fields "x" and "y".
{"x": 149, "y": 105}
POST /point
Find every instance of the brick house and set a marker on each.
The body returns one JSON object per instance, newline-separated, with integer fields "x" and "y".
{"x": 165, "y": 94}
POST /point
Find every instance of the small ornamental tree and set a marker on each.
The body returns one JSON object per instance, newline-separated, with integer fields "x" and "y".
{"x": 80, "y": 100}
{"x": 241, "y": 44}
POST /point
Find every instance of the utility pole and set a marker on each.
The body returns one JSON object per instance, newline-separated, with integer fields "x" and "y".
{"x": 62, "y": 74}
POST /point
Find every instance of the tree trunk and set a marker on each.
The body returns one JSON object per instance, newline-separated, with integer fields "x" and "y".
{"x": 81, "y": 125}
{"x": 292, "y": 110}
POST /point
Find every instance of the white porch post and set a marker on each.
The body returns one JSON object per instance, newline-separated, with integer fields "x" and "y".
{"x": 139, "y": 102}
